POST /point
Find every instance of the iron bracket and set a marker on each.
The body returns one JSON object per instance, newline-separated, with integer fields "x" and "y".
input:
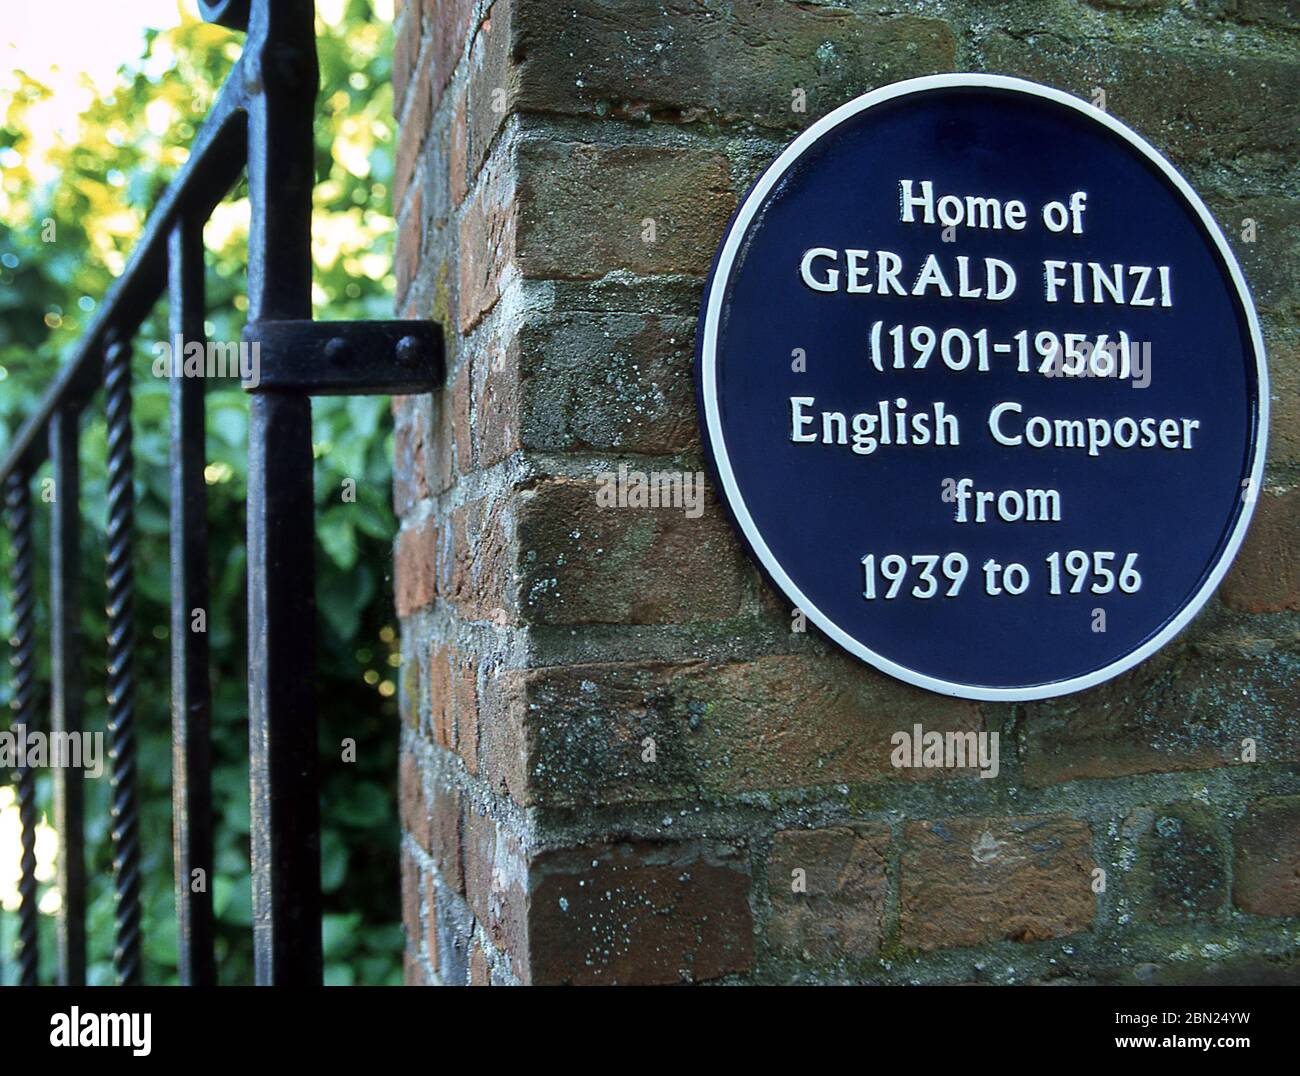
{"x": 344, "y": 358}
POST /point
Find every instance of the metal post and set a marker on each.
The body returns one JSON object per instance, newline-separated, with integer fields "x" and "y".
{"x": 66, "y": 687}
{"x": 18, "y": 499}
{"x": 121, "y": 656}
{"x": 191, "y": 690}
{"x": 284, "y": 763}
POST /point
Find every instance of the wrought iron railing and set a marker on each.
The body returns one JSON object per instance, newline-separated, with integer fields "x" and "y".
{"x": 261, "y": 124}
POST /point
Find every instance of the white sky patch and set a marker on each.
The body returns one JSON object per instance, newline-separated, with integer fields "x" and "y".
{"x": 75, "y": 47}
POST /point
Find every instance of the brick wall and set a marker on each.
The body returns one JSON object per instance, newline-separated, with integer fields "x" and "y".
{"x": 546, "y": 641}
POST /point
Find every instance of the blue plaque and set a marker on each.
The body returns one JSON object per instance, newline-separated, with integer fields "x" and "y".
{"x": 983, "y": 387}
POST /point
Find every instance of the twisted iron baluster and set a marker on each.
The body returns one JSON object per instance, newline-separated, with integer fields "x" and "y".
{"x": 121, "y": 652}
{"x": 18, "y": 498}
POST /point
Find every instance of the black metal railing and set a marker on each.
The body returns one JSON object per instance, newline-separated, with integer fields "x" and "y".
{"x": 261, "y": 125}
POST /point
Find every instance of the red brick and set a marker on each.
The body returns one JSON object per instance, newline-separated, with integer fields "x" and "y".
{"x": 586, "y": 564}
{"x": 968, "y": 881}
{"x": 1274, "y": 277}
{"x": 1187, "y": 707}
{"x": 492, "y": 83}
{"x": 446, "y": 830}
{"x": 410, "y": 137}
{"x": 487, "y": 246}
{"x": 474, "y": 570}
{"x": 692, "y": 62}
{"x": 583, "y": 209}
{"x": 406, "y": 48}
{"x": 642, "y": 364}
{"x": 430, "y": 918}
{"x": 411, "y": 902}
{"x": 410, "y": 473}
{"x": 450, "y": 21}
{"x": 640, "y": 912}
{"x": 839, "y": 912}
{"x": 410, "y": 236}
{"x": 458, "y": 157}
{"x": 479, "y": 972}
{"x": 452, "y": 451}
{"x": 453, "y": 676}
{"x": 415, "y": 813}
{"x": 496, "y": 396}
{"x": 772, "y": 723}
{"x": 1266, "y": 871}
{"x": 503, "y": 753}
{"x": 413, "y": 568}
{"x": 1265, "y": 578}
{"x": 496, "y": 885}
{"x": 442, "y": 714}
{"x": 1222, "y": 114}
{"x": 1284, "y": 412}
{"x": 413, "y": 969}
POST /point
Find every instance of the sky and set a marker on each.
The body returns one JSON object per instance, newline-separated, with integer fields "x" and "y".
{"x": 75, "y": 47}
{"x": 63, "y": 43}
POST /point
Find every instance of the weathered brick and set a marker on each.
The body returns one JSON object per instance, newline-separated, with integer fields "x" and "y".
{"x": 450, "y": 22}
{"x": 503, "y": 753}
{"x": 445, "y": 836}
{"x": 406, "y": 47}
{"x": 496, "y": 404}
{"x": 487, "y": 244}
{"x": 1224, "y": 111}
{"x": 414, "y": 808}
{"x": 410, "y": 234}
{"x": 479, "y": 972}
{"x": 411, "y": 136}
{"x": 835, "y": 908}
{"x": 1283, "y": 13}
{"x": 587, "y": 210}
{"x": 413, "y": 568}
{"x": 1186, "y": 708}
{"x": 1265, "y": 578}
{"x": 412, "y": 970}
{"x": 474, "y": 569}
{"x": 967, "y": 881}
{"x": 430, "y": 901}
{"x": 1180, "y": 872}
{"x": 454, "y": 701}
{"x": 1284, "y": 413}
{"x": 583, "y": 564}
{"x": 409, "y": 696}
{"x": 639, "y": 912}
{"x": 411, "y": 923}
{"x": 1129, "y": 5}
{"x": 1262, "y": 232}
{"x": 442, "y": 710}
{"x": 410, "y": 463}
{"x": 771, "y": 723}
{"x": 642, "y": 366}
{"x": 455, "y": 929}
{"x": 496, "y": 885}
{"x": 694, "y": 61}
{"x": 458, "y": 157}
{"x": 1266, "y": 868}
{"x": 459, "y": 406}
{"x": 492, "y": 82}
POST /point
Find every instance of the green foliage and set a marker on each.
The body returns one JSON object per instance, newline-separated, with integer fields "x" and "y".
{"x": 130, "y": 144}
